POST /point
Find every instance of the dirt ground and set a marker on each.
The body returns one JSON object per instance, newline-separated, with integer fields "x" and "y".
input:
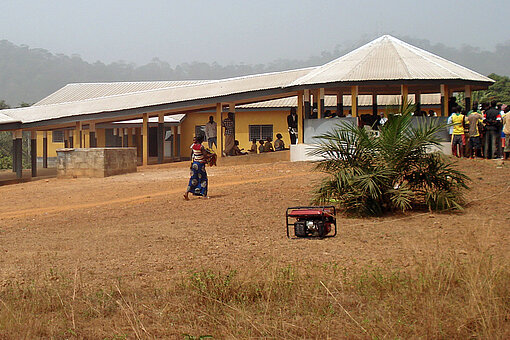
{"x": 138, "y": 227}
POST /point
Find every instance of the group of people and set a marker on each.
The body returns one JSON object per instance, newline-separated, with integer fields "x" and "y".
{"x": 480, "y": 131}
{"x": 267, "y": 145}
{"x": 232, "y": 145}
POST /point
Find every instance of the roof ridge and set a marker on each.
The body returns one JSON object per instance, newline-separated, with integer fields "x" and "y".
{"x": 333, "y": 62}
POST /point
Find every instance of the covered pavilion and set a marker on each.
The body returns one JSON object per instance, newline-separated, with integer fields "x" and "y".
{"x": 385, "y": 66}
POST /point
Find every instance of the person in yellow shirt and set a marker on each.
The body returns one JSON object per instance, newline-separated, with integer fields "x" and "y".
{"x": 458, "y": 132}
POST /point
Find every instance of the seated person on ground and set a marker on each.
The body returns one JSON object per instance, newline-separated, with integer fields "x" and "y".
{"x": 268, "y": 146}
{"x": 253, "y": 148}
{"x": 236, "y": 151}
{"x": 278, "y": 143}
{"x": 261, "y": 146}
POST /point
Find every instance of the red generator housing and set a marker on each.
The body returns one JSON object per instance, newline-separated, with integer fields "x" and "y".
{"x": 308, "y": 222}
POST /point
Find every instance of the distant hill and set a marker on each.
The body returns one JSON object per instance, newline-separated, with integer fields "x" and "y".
{"x": 28, "y": 74}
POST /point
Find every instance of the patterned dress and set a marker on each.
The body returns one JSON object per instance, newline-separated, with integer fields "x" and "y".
{"x": 198, "y": 176}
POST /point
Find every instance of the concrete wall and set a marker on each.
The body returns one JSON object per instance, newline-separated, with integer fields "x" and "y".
{"x": 95, "y": 162}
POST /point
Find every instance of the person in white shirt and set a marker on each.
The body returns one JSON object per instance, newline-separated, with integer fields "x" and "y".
{"x": 211, "y": 132}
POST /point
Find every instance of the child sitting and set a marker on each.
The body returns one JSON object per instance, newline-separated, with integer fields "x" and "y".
{"x": 268, "y": 146}
{"x": 278, "y": 143}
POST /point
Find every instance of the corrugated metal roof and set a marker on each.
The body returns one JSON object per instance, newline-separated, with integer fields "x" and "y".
{"x": 5, "y": 119}
{"x": 82, "y": 91}
{"x": 211, "y": 89}
{"x": 388, "y": 58}
{"x": 385, "y": 58}
{"x": 363, "y": 100}
{"x": 168, "y": 119}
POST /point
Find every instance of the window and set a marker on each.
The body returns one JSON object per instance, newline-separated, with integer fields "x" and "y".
{"x": 200, "y": 130}
{"x": 57, "y": 136}
{"x": 259, "y": 132}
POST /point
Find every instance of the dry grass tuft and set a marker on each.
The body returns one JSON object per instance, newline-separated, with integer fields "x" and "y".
{"x": 445, "y": 297}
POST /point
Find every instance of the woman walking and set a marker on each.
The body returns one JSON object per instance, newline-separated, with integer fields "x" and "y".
{"x": 198, "y": 177}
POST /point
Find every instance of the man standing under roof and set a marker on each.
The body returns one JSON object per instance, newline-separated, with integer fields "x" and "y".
{"x": 210, "y": 133}
{"x": 228, "y": 124}
{"x": 292, "y": 123}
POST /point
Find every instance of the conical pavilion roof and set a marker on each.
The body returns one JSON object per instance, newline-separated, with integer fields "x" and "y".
{"x": 388, "y": 58}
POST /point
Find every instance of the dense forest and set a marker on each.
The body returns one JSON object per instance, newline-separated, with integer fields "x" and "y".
{"x": 28, "y": 74}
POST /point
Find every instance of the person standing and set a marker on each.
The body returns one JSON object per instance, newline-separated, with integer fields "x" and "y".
{"x": 292, "y": 123}
{"x": 198, "y": 182}
{"x": 211, "y": 133}
{"x": 228, "y": 124}
{"x": 458, "y": 132}
{"x": 506, "y": 130}
{"x": 473, "y": 120}
{"x": 492, "y": 121}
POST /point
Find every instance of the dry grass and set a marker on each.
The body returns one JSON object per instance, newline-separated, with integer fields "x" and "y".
{"x": 444, "y": 297}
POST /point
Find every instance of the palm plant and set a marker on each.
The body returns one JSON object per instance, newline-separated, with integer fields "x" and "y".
{"x": 397, "y": 170}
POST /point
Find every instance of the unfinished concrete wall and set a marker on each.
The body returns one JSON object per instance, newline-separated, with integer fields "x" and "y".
{"x": 95, "y": 162}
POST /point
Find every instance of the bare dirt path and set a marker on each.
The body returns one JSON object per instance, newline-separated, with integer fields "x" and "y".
{"x": 137, "y": 227}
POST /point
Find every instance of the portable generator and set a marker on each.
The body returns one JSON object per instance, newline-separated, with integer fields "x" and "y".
{"x": 311, "y": 222}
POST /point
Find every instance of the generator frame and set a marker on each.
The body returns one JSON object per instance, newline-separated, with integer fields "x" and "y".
{"x": 322, "y": 213}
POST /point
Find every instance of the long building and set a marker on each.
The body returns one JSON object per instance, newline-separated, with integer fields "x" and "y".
{"x": 170, "y": 113}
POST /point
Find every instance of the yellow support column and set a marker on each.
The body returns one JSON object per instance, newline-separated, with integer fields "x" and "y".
{"x": 339, "y": 104}
{"x": 300, "y": 113}
{"x": 77, "y": 135}
{"x": 219, "y": 134}
{"x": 354, "y": 100}
{"x": 444, "y": 100}
{"x": 320, "y": 104}
{"x": 145, "y": 133}
{"x": 404, "y": 92}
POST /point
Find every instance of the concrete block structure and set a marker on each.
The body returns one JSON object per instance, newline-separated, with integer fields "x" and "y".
{"x": 95, "y": 162}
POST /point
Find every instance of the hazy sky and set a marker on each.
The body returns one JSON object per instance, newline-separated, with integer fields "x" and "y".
{"x": 256, "y": 31}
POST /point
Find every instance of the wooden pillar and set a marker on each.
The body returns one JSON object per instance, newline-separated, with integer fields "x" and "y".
{"x": 77, "y": 135}
{"x": 45, "y": 150}
{"x": 174, "y": 141}
{"x": 161, "y": 137}
{"x": 320, "y": 103}
{"x": 339, "y": 104}
{"x": 178, "y": 141}
{"x": 404, "y": 94}
{"x": 374, "y": 104}
{"x": 467, "y": 97}
{"x": 145, "y": 139}
{"x": 133, "y": 137}
{"x": 308, "y": 109}
{"x": 66, "y": 138}
{"x": 92, "y": 135}
{"x": 139, "y": 144}
{"x": 300, "y": 114}
{"x": 232, "y": 108}
{"x": 115, "y": 137}
{"x": 444, "y": 100}
{"x": 315, "y": 105}
{"x": 18, "y": 150}
{"x": 14, "y": 154}
{"x": 219, "y": 133}
{"x": 33, "y": 152}
{"x": 125, "y": 137}
{"x": 354, "y": 100}
{"x": 417, "y": 102}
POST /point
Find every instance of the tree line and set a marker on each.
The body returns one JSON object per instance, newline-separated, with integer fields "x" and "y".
{"x": 30, "y": 74}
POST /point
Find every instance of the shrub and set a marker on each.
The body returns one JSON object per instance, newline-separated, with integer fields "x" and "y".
{"x": 371, "y": 175}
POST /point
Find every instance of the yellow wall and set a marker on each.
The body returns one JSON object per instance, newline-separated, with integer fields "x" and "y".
{"x": 52, "y": 147}
{"x": 242, "y": 131}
